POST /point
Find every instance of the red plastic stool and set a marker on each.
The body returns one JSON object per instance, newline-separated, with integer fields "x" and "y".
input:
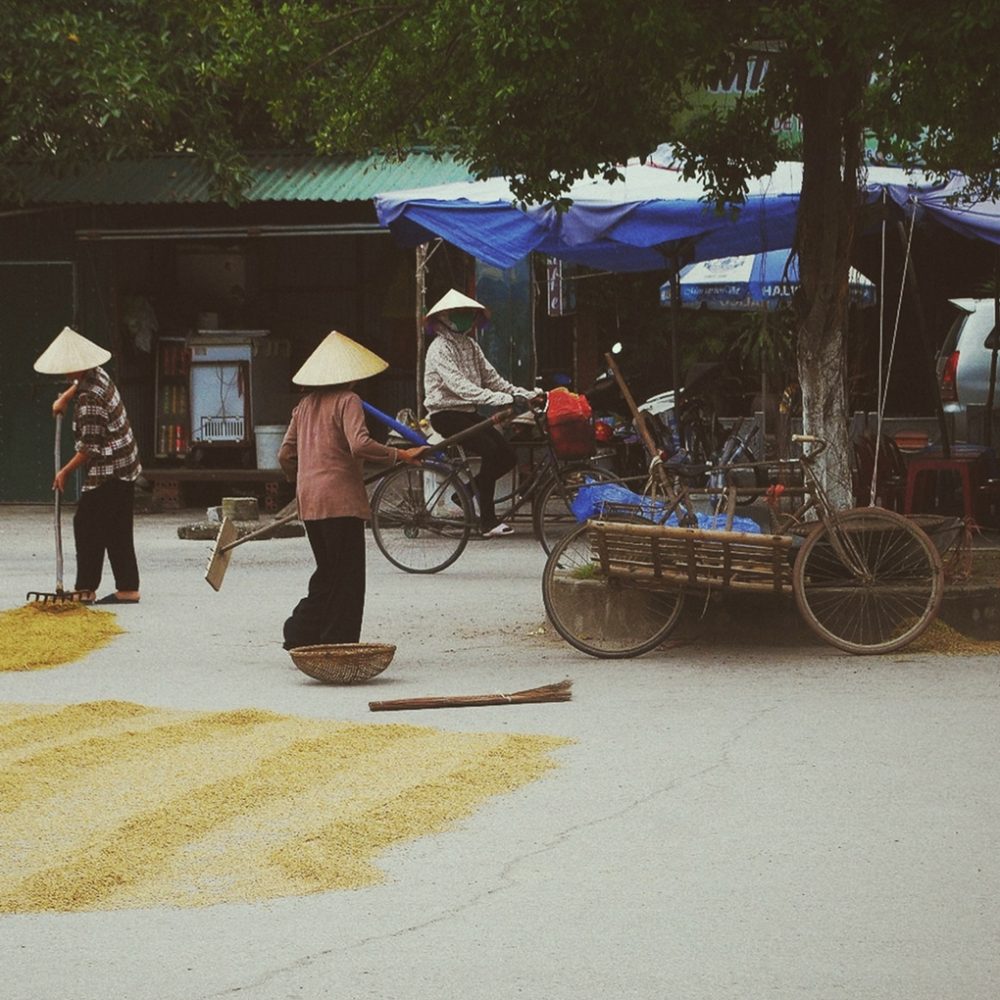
{"x": 967, "y": 468}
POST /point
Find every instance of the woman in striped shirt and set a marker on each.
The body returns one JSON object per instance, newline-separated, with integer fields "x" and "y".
{"x": 106, "y": 449}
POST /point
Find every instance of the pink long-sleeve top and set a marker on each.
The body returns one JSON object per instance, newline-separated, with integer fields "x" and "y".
{"x": 323, "y": 452}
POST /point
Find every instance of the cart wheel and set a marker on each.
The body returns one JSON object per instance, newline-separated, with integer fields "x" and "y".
{"x": 550, "y": 511}
{"x": 868, "y": 581}
{"x": 421, "y": 517}
{"x": 603, "y": 616}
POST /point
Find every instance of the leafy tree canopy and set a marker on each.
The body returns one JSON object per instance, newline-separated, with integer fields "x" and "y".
{"x": 541, "y": 89}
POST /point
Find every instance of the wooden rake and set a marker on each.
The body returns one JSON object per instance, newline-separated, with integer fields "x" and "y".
{"x": 60, "y": 594}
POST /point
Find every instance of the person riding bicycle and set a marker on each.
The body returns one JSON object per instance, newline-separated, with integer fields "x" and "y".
{"x": 457, "y": 380}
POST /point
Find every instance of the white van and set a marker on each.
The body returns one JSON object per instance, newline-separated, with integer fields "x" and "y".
{"x": 963, "y": 363}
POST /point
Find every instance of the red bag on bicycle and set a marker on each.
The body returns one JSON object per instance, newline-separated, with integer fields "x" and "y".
{"x": 571, "y": 426}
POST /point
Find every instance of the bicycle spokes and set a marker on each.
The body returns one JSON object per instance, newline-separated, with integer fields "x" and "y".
{"x": 421, "y": 518}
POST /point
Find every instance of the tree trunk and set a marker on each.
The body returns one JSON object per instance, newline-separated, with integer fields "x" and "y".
{"x": 824, "y": 403}
{"x": 831, "y": 154}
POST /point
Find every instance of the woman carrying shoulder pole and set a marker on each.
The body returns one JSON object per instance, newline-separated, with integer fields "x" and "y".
{"x": 323, "y": 453}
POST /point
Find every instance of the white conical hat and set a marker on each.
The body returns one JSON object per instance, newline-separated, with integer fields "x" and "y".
{"x": 338, "y": 359}
{"x": 70, "y": 352}
{"x": 454, "y": 300}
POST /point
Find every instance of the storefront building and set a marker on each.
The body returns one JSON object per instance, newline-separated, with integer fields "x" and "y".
{"x": 207, "y": 309}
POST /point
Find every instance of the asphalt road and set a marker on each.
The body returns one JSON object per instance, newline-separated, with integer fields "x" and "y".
{"x": 736, "y": 818}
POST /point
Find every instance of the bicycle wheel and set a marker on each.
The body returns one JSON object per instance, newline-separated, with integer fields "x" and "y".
{"x": 603, "y": 616}
{"x": 868, "y": 581}
{"x": 551, "y": 513}
{"x": 421, "y": 517}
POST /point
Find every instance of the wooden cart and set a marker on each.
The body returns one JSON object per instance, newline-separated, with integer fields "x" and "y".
{"x": 866, "y": 580}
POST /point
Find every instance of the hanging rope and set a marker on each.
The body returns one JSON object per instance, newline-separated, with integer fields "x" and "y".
{"x": 880, "y": 386}
{"x": 884, "y": 386}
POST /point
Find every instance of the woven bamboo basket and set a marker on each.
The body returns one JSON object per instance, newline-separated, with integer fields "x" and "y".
{"x": 343, "y": 663}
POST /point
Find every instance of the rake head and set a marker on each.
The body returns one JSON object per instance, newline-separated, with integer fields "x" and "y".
{"x": 222, "y": 552}
{"x": 55, "y": 596}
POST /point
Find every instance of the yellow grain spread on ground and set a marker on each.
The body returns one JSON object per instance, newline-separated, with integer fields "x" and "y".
{"x": 942, "y": 638}
{"x": 108, "y": 805}
{"x": 38, "y": 636}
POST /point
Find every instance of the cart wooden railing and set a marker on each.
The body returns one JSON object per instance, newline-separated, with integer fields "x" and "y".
{"x": 692, "y": 557}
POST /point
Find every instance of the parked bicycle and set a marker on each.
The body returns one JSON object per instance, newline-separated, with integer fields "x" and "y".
{"x": 423, "y": 516}
{"x": 865, "y": 580}
{"x": 731, "y": 462}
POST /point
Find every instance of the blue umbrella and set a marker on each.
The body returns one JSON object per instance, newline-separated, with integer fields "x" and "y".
{"x": 754, "y": 281}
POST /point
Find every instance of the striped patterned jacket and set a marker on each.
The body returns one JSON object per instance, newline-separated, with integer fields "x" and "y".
{"x": 103, "y": 432}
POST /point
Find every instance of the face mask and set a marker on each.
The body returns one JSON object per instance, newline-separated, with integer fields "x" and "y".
{"x": 463, "y": 321}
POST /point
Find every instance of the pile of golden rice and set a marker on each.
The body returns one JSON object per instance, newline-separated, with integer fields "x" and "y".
{"x": 942, "y": 638}
{"x": 112, "y": 804}
{"x": 38, "y": 636}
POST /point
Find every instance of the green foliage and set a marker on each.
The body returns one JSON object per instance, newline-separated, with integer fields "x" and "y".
{"x": 544, "y": 90}
{"x": 82, "y": 82}
{"x": 936, "y": 93}
{"x": 725, "y": 147}
{"x": 766, "y": 343}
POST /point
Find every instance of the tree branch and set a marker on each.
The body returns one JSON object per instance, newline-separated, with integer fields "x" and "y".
{"x": 405, "y": 12}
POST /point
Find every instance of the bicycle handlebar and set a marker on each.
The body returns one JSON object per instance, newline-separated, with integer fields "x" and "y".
{"x": 819, "y": 443}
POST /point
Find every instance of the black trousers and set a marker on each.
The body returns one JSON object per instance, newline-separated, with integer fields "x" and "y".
{"x": 333, "y": 608}
{"x": 498, "y": 457}
{"x": 102, "y": 525}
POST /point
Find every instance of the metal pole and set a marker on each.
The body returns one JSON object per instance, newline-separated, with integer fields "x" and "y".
{"x": 763, "y": 386}
{"x": 421, "y": 306}
{"x": 911, "y": 278}
{"x": 675, "y": 312}
{"x": 990, "y": 395}
{"x": 576, "y": 355}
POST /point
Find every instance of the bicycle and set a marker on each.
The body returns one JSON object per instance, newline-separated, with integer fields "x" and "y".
{"x": 705, "y": 443}
{"x": 731, "y": 463}
{"x": 423, "y": 516}
{"x": 865, "y": 580}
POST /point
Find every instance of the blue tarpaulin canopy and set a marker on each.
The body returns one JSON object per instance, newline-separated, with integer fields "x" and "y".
{"x": 638, "y": 224}
{"x": 951, "y": 205}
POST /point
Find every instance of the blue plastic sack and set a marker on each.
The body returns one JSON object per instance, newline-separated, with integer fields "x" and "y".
{"x": 594, "y": 499}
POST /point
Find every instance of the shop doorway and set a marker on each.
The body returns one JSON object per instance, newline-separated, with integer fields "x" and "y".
{"x": 39, "y": 299}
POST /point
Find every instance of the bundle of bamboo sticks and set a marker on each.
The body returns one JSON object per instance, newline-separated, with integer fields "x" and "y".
{"x": 548, "y": 692}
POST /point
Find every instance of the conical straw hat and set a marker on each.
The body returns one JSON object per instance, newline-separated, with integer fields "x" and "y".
{"x": 454, "y": 300}
{"x": 70, "y": 352}
{"x": 338, "y": 359}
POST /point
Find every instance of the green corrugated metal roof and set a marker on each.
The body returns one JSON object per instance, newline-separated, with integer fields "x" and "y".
{"x": 173, "y": 180}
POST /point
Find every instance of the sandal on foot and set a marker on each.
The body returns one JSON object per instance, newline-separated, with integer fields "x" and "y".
{"x": 501, "y": 529}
